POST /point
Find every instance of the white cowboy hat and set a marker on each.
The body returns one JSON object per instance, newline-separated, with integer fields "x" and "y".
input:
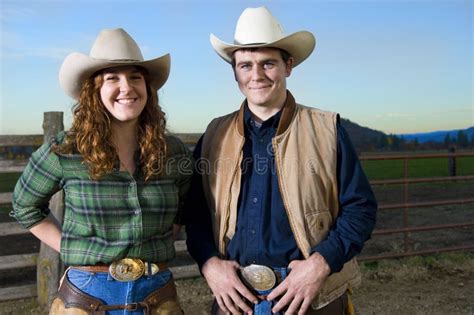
{"x": 113, "y": 47}
{"x": 257, "y": 27}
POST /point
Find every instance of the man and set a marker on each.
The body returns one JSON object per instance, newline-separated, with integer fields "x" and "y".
{"x": 279, "y": 204}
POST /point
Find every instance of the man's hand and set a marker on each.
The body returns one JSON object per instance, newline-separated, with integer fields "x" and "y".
{"x": 302, "y": 285}
{"x": 221, "y": 276}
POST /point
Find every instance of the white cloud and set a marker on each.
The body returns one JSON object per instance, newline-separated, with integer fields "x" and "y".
{"x": 17, "y": 46}
{"x": 8, "y": 13}
{"x": 57, "y": 53}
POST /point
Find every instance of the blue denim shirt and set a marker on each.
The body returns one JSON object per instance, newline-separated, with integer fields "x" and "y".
{"x": 263, "y": 234}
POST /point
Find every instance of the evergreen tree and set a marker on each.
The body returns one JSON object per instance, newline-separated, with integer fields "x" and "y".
{"x": 462, "y": 140}
{"x": 383, "y": 142}
{"x": 447, "y": 140}
{"x": 415, "y": 143}
{"x": 395, "y": 142}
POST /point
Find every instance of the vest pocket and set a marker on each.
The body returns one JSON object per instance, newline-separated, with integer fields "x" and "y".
{"x": 318, "y": 224}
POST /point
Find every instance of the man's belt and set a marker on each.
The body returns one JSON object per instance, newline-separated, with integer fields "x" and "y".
{"x": 126, "y": 269}
{"x": 260, "y": 277}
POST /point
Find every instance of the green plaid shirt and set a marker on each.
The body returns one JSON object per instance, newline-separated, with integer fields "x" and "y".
{"x": 117, "y": 216}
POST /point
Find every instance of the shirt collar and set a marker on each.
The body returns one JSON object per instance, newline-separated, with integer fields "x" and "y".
{"x": 270, "y": 122}
{"x": 287, "y": 115}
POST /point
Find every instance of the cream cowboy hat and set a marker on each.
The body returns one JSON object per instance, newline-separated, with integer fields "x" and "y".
{"x": 257, "y": 27}
{"x": 113, "y": 47}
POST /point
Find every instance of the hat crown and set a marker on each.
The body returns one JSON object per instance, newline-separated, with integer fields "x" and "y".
{"x": 115, "y": 44}
{"x": 257, "y": 26}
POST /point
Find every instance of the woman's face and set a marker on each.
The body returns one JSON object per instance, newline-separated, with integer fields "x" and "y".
{"x": 123, "y": 92}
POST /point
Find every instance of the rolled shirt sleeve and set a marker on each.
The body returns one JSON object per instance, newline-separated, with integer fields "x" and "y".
{"x": 40, "y": 180}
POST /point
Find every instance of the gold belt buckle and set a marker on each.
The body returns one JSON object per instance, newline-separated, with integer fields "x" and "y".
{"x": 127, "y": 269}
{"x": 259, "y": 277}
{"x": 130, "y": 269}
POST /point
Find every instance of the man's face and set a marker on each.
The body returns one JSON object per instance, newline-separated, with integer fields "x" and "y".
{"x": 261, "y": 75}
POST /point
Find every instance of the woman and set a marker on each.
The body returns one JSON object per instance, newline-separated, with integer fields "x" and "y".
{"x": 123, "y": 181}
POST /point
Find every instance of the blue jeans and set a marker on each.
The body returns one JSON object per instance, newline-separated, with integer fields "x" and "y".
{"x": 336, "y": 307}
{"x": 102, "y": 286}
{"x": 265, "y": 307}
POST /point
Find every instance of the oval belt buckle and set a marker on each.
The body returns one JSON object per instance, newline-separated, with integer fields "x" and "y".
{"x": 127, "y": 269}
{"x": 259, "y": 277}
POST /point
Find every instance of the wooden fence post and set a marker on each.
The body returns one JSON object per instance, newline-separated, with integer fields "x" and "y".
{"x": 49, "y": 266}
{"x": 452, "y": 162}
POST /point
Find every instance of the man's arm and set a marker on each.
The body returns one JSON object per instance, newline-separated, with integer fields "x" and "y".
{"x": 353, "y": 226}
{"x": 221, "y": 275}
{"x": 197, "y": 217}
{"x": 357, "y": 208}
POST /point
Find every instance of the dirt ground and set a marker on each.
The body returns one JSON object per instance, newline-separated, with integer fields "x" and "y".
{"x": 439, "y": 284}
{"x": 406, "y": 286}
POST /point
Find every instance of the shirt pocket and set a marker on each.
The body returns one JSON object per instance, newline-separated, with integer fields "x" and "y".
{"x": 318, "y": 224}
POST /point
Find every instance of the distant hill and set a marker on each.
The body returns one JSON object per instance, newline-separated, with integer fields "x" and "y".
{"x": 363, "y": 138}
{"x": 436, "y": 136}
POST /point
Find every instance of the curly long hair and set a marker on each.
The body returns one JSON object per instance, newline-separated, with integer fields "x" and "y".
{"x": 91, "y": 132}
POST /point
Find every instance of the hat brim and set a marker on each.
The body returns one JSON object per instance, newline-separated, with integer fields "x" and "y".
{"x": 299, "y": 45}
{"x": 78, "y": 67}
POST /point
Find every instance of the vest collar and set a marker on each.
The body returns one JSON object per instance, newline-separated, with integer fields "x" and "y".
{"x": 285, "y": 119}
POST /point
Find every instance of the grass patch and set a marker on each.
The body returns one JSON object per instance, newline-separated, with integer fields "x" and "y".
{"x": 429, "y": 167}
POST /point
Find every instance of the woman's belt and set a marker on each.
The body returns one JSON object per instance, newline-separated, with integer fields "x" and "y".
{"x": 163, "y": 299}
{"x": 126, "y": 269}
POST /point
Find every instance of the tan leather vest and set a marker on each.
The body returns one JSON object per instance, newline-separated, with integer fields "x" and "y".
{"x": 305, "y": 147}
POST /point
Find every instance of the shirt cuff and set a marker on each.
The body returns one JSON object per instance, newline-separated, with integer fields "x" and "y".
{"x": 331, "y": 254}
{"x": 203, "y": 253}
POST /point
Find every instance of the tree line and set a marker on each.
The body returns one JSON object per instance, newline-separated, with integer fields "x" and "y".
{"x": 393, "y": 142}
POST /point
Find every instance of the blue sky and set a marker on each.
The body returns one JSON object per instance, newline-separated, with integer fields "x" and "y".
{"x": 395, "y": 66}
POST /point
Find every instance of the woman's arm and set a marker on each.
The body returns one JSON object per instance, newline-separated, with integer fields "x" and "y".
{"x": 39, "y": 182}
{"x": 49, "y": 232}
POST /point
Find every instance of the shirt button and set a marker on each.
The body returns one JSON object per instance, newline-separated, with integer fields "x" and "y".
{"x": 132, "y": 184}
{"x": 261, "y": 140}
{"x": 252, "y": 231}
{"x": 255, "y": 200}
{"x": 137, "y": 212}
